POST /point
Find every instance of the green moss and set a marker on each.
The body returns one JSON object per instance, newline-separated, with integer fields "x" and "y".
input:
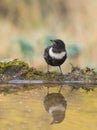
{"x": 16, "y": 69}
{"x": 9, "y": 70}
{"x": 15, "y": 62}
{"x": 39, "y": 75}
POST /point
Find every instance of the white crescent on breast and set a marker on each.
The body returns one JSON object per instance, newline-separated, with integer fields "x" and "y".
{"x": 56, "y": 55}
{"x": 59, "y": 107}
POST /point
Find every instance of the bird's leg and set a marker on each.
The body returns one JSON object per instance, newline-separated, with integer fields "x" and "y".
{"x": 60, "y": 88}
{"x": 60, "y": 70}
{"x": 47, "y": 89}
{"x": 48, "y": 72}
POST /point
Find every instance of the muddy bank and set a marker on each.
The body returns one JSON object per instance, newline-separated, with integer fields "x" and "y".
{"x": 16, "y": 70}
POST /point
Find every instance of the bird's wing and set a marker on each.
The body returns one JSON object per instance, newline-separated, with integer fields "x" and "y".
{"x": 46, "y": 52}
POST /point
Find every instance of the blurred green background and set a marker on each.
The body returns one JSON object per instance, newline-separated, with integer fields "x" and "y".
{"x": 26, "y": 26}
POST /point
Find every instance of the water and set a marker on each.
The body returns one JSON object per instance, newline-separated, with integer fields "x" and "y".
{"x": 26, "y": 110}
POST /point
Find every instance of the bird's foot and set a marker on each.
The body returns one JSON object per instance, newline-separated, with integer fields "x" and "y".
{"x": 48, "y": 72}
{"x": 61, "y": 74}
{"x": 60, "y": 88}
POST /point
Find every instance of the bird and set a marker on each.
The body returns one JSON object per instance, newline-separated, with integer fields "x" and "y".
{"x": 56, "y": 54}
{"x": 55, "y": 104}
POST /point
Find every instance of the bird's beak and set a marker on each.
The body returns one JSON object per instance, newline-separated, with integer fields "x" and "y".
{"x": 53, "y": 41}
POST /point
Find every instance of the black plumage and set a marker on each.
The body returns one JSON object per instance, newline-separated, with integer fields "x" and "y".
{"x": 55, "y": 104}
{"x": 56, "y": 54}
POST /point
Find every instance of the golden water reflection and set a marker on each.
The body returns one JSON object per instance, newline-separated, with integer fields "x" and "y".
{"x": 55, "y": 104}
{"x": 26, "y": 110}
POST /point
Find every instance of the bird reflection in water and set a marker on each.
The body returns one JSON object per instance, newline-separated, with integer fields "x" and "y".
{"x": 55, "y": 104}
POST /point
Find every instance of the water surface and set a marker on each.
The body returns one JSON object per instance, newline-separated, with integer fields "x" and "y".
{"x": 25, "y": 110}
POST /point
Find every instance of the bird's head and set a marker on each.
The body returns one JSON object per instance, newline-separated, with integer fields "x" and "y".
{"x": 58, "y": 45}
{"x": 58, "y": 116}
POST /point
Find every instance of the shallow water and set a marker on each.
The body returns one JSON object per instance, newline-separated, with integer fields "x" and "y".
{"x": 25, "y": 110}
